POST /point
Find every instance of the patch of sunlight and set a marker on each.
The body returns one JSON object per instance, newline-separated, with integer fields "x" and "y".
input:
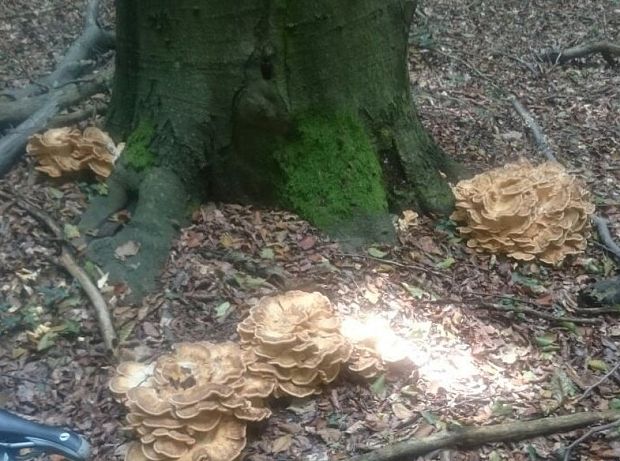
{"x": 442, "y": 360}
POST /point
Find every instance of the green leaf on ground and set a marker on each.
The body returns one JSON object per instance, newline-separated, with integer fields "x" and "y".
{"x": 376, "y": 252}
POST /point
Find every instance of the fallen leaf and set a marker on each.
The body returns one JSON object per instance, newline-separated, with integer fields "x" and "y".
{"x": 71, "y": 231}
{"x": 597, "y": 365}
{"x": 401, "y": 411}
{"x": 282, "y": 443}
{"x": 129, "y": 248}
{"x": 307, "y": 242}
{"x": 377, "y": 253}
{"x": 329, "y": 435}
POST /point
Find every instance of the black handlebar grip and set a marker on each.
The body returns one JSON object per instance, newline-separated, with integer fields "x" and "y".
{"x": 49, "y": 438}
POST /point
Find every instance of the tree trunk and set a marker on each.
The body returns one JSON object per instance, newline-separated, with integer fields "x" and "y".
{"x": 303, "y": 105}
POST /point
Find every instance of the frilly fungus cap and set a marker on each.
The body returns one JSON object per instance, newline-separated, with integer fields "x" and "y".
{"x": 524, "y": 211}
{"x": 295, "y": 338}
{"x": 67, "y": 150}
{"x": 193, "y": 403}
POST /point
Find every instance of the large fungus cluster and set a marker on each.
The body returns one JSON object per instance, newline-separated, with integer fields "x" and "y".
{"x": 192, "y": 404}
{"x": 524, "y": 211}
{"x": 296, "y": 339}
{"x": 67, "y": 150}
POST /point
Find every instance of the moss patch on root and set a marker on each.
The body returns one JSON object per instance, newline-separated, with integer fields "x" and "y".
{"x": 137, "y": 153}
{"x": 331, "y": 171}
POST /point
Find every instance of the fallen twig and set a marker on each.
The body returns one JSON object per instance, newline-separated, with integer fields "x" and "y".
{"x": 69, "y": 263}
{"x": 539, "y": 137}
{"x": 599, "y": 382}
{"x": 481, "y": 304}
{"x": 470, "y": 437}
{"x": 608, "y": 51}
{"x": 589, "y": 434}
{"x": 421, "y": 267}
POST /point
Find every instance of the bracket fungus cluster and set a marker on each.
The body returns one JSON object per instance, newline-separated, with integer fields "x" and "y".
{"x": 527, "y": 212}
{"x": 67, "y": 150}
{"x": 194, "y": 403}
{"x": 296, "y": 339}
{"x": 191, "y": 404}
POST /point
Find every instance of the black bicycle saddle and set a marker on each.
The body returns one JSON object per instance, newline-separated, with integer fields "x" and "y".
{"x": 17, "y": 434}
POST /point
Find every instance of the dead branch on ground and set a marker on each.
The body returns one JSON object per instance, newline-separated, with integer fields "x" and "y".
{"x": 481, "y": 304}
{"x": 471, "y": 437}
{"x": 537, "y": 134}
{"x": 68, "y": 262}
{"x": 12, "y": 145}
{"x": 589, "y": 434}
{"x": 607, "y": 49}
{"x": 70, "y": 94}
{"x": 93, "y": 41}
{"x": 589, "y": 390}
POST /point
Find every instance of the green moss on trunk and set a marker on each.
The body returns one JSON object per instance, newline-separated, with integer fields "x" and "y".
{"x": 331, "y": 171}
{"x": 138, "y": 153}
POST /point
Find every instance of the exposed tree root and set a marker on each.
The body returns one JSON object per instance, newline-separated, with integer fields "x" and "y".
{"x": 157, "y": 206}
{"x": 607, "y": 49}
{"x": 605, "y": 236}
{"x": 471, "y": 437}
{"x": 45, "y": 108}
{"x": 68, "y": 262}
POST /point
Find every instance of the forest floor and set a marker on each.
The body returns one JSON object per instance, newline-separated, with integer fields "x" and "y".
{"x": 475, "y": 366}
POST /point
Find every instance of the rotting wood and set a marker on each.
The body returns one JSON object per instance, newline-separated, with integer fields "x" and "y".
{"x": 471, "y": 437}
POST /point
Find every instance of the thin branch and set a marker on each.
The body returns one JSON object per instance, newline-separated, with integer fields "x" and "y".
{"x": 539, "y": 137}
{"x": 599, "y": 382}
{"x": 481, "y": 304}
{"x": 471, "y": 437}
{"x": 589, "y": 434}
{"x": 68, "y": 262}
{"x": 389, "y": 262}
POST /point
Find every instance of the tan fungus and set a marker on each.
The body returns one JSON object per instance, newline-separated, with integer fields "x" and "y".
{"x": 295, "y": 339}
{"x": 527, "y": 212}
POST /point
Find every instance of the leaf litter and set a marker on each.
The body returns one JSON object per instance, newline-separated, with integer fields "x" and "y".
{"x": 474, "y": 366}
